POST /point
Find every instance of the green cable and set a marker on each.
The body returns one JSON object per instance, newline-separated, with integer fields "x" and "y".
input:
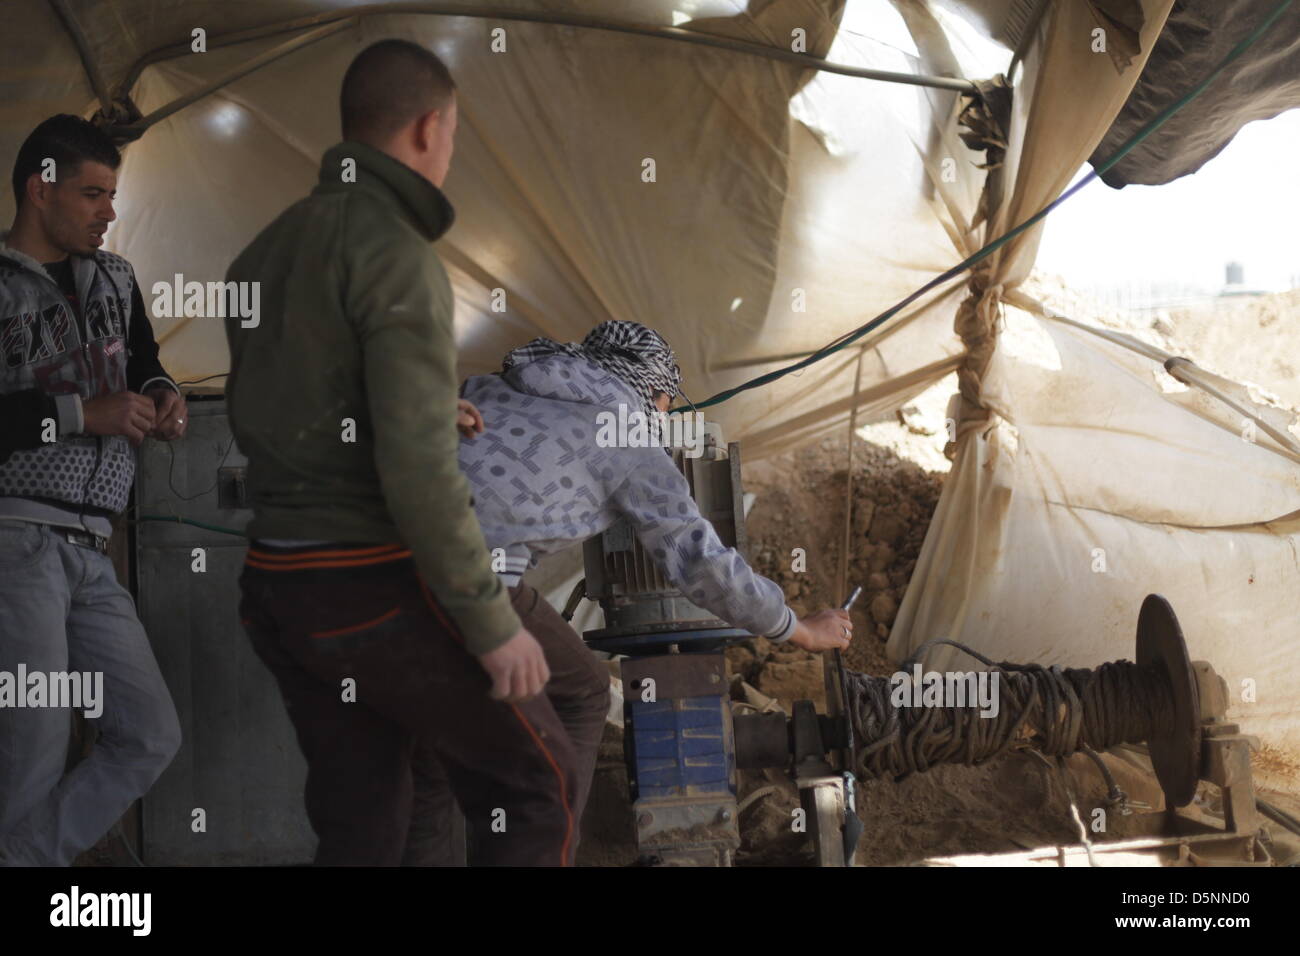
{"x": 1159, "y": 120}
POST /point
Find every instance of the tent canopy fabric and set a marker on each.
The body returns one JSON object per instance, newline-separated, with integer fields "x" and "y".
{"x": 760, "y": 163}
{"x": 1262, "y": 83}
{"x": 753, "y": 209}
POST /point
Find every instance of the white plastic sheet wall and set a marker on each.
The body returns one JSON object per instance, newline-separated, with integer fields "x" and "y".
{"x": 1089, "y": 478}
{"x": 1094, "y": 487}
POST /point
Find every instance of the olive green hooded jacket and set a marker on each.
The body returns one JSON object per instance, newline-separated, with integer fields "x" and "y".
{"x": 343, "y": 392}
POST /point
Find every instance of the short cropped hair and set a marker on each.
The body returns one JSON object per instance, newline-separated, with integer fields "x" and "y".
{"x": 389, "y": 84}
{"x": 69, "y": 141}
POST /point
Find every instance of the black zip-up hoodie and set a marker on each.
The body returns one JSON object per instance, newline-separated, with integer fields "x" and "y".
{"x": 52, "y": 358}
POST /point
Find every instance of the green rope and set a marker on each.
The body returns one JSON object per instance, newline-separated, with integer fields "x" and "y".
{"x": 1159, "y": 120}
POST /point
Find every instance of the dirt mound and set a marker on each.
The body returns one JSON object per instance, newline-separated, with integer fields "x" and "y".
{"x": 1013, "y": 803}
{"x": 796, "y": 533}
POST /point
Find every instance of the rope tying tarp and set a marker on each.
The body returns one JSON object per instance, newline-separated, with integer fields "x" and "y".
{"x": 1159, "y": 120}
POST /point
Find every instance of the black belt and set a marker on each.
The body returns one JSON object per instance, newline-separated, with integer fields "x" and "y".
{"x": 86, "y": 539}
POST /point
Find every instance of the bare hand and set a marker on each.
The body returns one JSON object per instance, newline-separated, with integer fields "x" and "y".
{"x": 517, "y": 668}
{"x": 827, "y": 630}
{"x": 122, "y": 413}
{"x": 170, "y": 414}
{"x": 468, "y": 420}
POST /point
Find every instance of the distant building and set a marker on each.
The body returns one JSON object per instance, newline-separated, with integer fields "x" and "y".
{"x": 1234, "y": 286}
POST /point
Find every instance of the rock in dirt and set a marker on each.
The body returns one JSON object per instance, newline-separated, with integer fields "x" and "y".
{"x": 797, "y": 680}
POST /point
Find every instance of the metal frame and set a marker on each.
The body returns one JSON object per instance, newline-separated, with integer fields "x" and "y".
{"x": 324, "y": 24}
{"x": 135, "y": 130}
{"x": 559, "y": 19}
{"x": 78, "y": 37}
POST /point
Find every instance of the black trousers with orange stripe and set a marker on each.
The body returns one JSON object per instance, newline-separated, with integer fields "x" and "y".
{"x": 369, "y": 664}
{"x": 579, "y": 693}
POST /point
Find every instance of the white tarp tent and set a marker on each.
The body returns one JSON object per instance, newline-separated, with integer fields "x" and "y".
{"x": 788, "y": 206}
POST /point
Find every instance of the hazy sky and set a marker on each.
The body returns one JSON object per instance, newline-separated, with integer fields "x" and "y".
{"x": 1243, "y": 205}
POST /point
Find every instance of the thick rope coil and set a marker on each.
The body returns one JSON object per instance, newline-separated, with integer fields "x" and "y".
{"x": 1055, "y": 711}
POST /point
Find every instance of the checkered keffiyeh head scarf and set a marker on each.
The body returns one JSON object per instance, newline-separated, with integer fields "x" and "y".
{"x": 637, "y": 355}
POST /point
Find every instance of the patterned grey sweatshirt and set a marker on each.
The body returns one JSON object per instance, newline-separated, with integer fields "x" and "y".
{"x": 541, "y": 483}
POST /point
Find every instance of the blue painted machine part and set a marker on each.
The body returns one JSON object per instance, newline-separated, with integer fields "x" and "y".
{"x": 680, "y": 747}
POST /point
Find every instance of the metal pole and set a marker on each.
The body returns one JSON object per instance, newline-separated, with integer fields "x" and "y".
{"x": 560, "y": 19}
{"x": 60, "y": 8}
{"x": 137, "y": 129}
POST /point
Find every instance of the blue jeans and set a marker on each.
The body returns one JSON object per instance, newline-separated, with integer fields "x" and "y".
{"x": 62, "y": 609}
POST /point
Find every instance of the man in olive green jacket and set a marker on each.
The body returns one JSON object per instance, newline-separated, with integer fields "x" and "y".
{"x": 368, "y": 589}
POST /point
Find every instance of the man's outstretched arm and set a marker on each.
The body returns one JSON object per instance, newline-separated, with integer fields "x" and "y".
{"x": 668, "y": 523}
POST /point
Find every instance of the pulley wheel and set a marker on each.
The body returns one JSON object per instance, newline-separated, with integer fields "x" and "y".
{"x": 1176, "y": 756}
